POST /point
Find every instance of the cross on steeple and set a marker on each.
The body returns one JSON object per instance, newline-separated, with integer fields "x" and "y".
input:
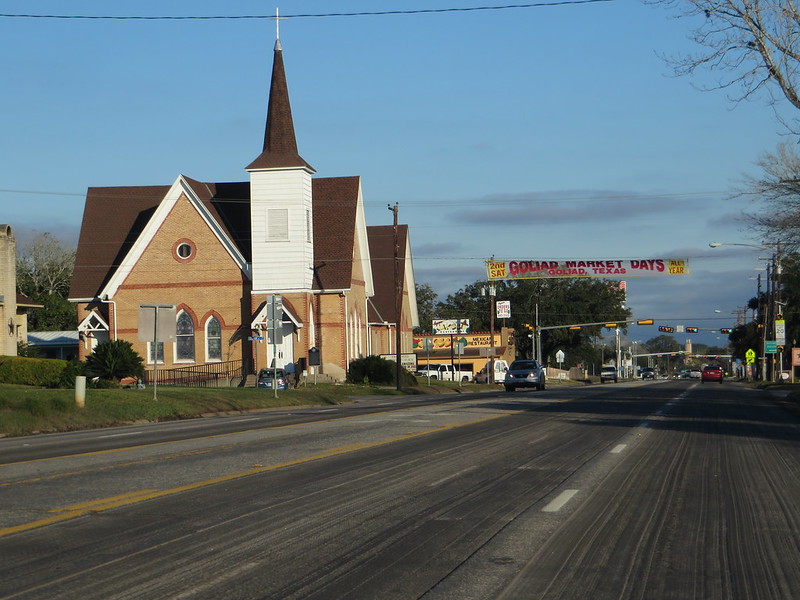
{"x": 278, "y": 18}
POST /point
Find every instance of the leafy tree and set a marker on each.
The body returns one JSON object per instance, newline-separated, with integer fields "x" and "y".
{"x": 752, "y": 47}
{"x": 426, "y": 306}
{"x": 556, "y": 302}
{"x": 58, "y": 314}
{"x": 114, "y": 360}
{"x": 662, "y": 343}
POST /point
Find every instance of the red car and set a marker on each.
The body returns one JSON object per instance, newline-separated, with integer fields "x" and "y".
{"x": 712, "y": 373}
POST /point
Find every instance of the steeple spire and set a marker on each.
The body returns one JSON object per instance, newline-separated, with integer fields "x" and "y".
{"x": 280, "y": 145}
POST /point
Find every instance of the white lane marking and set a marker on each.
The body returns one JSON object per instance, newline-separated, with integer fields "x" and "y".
{"x": 328, "y": 410}
{"x": 618, "y": 448}
{"x": 559, "y": 501}
{"x": 112, "y": 435}
{"x": 453, "y": 476}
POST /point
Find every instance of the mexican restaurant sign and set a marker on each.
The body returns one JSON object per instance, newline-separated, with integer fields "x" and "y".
{"x": 443, "y": 342}
{"x": 545, "y": 269}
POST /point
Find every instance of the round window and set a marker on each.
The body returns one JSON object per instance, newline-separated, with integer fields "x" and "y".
{"x": 184, "y": 250}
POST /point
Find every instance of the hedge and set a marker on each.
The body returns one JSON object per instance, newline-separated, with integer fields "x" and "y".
{"x": 42, "y": 372}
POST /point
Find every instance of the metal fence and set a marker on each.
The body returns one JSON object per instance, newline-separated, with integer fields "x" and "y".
{"x": 222, "y": 374}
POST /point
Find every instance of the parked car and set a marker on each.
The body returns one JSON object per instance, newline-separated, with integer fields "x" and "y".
{"x": 500, "y": 368}
{"x": 524, "y": 373}
{"x": 608, "y": 373}
{"x": 712, "y": 373}
{"x": 266, "y": 377}
{"x": 648, "y": 373}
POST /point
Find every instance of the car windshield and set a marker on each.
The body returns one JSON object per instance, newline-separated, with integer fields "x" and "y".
{"x": 521, "y": 365}
{"x": 268, "y": 373}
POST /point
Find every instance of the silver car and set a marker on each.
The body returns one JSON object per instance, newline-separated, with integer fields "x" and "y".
{"x": 524, "y": 373}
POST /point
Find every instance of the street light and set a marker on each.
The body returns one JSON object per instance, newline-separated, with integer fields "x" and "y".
{"x": 773, "y": 278}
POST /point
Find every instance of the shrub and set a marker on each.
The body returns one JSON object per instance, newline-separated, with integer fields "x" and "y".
{"x": 72, "y": 369}
{"x": 20, "y": 370}
{"x": 114, "y": 360}
{"x": 377, "y": 370}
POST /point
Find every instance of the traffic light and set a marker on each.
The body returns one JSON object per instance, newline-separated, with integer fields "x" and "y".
{"x": 575, "y": 327}
{"x": 611, "y": 325}
{"x": 692, "y": 330}
{"x": 645, "y": 322}
{"x": 666, "y": 329}
{"x": 729, "y": 330}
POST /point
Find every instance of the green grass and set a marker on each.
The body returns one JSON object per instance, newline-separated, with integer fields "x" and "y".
{"x": 26, "y": 410}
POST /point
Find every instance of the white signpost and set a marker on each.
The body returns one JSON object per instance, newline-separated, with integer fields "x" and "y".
{"x": 151, "y": 328}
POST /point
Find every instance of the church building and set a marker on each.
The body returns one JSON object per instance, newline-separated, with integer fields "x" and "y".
{"x": 220, "y": 252}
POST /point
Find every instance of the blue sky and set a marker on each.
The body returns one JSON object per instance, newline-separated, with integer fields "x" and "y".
{"x": 547, "y": 132}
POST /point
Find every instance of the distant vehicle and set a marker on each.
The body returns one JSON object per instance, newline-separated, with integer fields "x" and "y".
{"x": 695, "y": 373}
{"x": 500, "y": 368}
{"x": 524, "y": 373}
{"x": 608, "y": 373}
{"x": 712, "y": 373}
{"x": 266, "y": 378}
{"x": 444, "y": 372}
{"x": 648, "y": 373}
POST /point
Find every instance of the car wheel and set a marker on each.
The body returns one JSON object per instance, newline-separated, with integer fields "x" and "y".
{"x": 540, "y": 386}
{"x": 509, "y": 388}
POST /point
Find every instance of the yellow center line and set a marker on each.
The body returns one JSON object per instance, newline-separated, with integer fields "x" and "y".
{"x": 78, "y": 510}
{"x": 97, "y": 503}
{"x": 202, "y": 437}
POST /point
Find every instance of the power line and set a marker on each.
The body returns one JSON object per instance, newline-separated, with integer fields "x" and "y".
{"x": 302, "y": 16}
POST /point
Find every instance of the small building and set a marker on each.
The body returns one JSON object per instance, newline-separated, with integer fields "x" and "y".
{"x": 55, "y": 344}
{"x": 480, "y": 347}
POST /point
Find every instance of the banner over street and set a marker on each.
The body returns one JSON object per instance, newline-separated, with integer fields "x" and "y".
{"x": 497, "y": 270}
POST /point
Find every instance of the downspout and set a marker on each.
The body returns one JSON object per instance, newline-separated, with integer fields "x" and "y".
{"x": 347, "y": 334}
{"x": 114, "y": 305}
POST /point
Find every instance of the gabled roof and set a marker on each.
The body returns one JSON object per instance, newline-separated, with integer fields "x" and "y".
{"x": 280, "y": 144}
{"x": 381, "y": 249}
{"x": 114, "y": 219}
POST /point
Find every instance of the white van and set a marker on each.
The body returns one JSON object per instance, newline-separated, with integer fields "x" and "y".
{"x": 500, "y": 368}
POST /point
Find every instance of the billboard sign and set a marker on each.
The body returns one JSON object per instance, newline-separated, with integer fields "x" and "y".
{"x": 450, "y": 326}
{"x": 498, "y": 270}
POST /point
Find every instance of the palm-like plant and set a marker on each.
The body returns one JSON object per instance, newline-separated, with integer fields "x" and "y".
{"x": 114, "y": 360}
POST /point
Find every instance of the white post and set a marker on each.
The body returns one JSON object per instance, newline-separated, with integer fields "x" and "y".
{"x": 80, "y": 391}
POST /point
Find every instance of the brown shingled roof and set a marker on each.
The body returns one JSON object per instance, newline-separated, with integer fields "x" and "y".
{"x": 334, "y": 204}
{"x": 113, "y": 218}
{"x": 381, "y": 251}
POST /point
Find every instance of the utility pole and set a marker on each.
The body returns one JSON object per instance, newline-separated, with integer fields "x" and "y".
{"x": 398, "y": 298}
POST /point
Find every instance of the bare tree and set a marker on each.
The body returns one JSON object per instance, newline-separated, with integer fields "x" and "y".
{"x": 753, "y": 45}
{"x": 777, "y": 190}
{"x": 44, "y": 267}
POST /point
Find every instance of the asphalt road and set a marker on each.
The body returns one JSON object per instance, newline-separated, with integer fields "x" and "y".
{"x": 651, "y": 490}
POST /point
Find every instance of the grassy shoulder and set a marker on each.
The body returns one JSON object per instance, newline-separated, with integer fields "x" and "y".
{"x": 26, "y": 410}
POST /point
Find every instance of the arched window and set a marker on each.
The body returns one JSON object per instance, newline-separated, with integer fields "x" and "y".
{"x": 213, "y": 339}
{"x": 184, "y": 346}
